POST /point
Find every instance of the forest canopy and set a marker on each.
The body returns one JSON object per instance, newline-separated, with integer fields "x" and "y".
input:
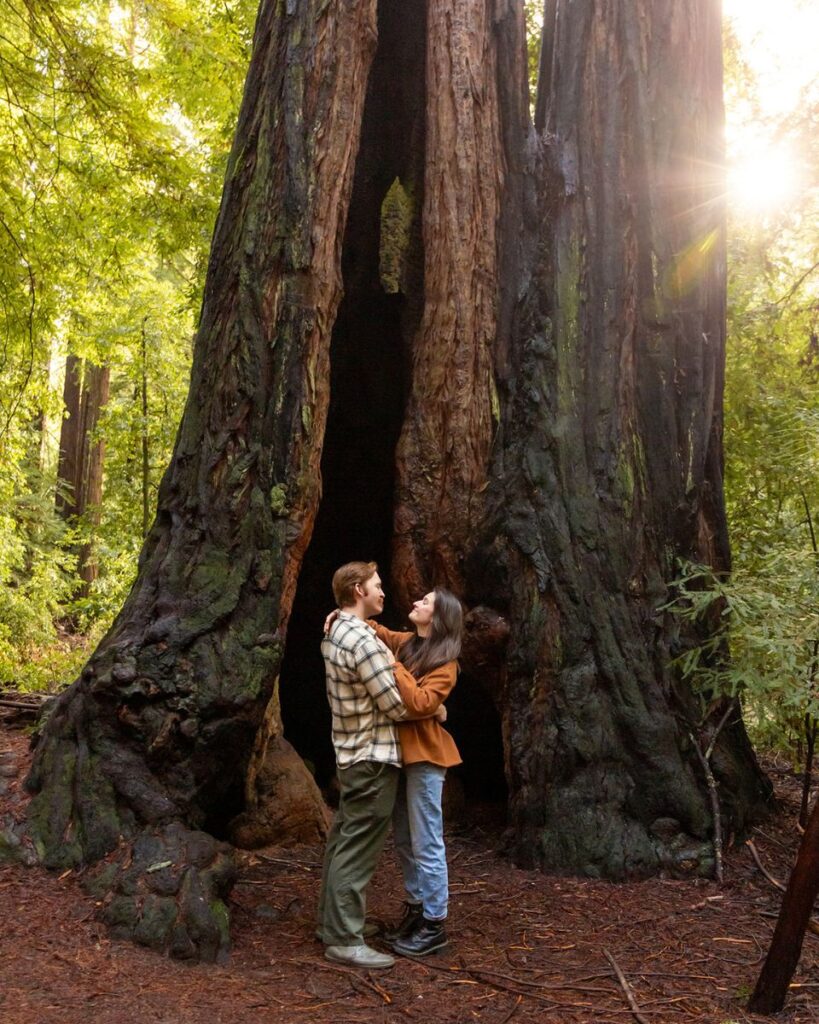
{"x": 115, "y": 122}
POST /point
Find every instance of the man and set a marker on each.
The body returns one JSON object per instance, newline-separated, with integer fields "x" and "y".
{"x": 364, "y": 702}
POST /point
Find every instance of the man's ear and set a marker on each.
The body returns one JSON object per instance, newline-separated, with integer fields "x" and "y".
{"x": 359, "y": 590}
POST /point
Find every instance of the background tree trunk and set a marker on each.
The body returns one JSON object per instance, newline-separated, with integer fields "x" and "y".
{"x": 82, "y": 455}
{"x": 145, "y": 474}
{"x": 526, "y": 375}
{"x": 95, "y": 389}
{"x": 70, "y": 459}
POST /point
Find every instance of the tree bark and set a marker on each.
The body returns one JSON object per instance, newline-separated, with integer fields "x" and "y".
{"x": 150, "y": 746}
{"x": 442, "y": 457}
{"x": 95, "y": 389}
{"x": 70, "y": 459}
{"x": 145, "y": 475}
{"x": 609, "y": 468}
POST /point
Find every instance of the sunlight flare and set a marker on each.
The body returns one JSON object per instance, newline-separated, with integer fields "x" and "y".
{"x": 764, "y": 180}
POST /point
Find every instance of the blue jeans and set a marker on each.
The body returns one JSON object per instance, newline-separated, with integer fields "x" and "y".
{"x": 418, "y": 825}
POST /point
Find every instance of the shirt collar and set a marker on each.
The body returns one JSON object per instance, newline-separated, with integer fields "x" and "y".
{"x": 350, "y": 617}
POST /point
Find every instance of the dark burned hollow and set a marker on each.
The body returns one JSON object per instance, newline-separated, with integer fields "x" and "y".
{"x": 382, "y": 266}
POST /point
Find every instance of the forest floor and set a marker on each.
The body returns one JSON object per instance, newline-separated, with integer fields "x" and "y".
{"x": 524, "y": 946}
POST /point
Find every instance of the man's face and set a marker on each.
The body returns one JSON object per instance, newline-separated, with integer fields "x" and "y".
{"x": 372, "y": 594}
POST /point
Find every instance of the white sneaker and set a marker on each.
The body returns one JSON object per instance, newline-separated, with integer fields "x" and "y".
{"x": 359, "y": 956}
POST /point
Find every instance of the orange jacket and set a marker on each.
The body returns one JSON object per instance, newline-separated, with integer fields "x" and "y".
{"x": 422, "y": 739}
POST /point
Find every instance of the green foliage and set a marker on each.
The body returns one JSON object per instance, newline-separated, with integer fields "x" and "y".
{"x": 115, "y": 126}
{"x": 761, "y": 626}
{"x": 534, "y": 28}
{"x": 38, "y": 575}
{"x": 766, "y": 613}
{"x": 396, "y": 222}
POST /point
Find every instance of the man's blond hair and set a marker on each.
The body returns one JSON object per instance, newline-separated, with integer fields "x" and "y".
{"x": 348, "y": 577}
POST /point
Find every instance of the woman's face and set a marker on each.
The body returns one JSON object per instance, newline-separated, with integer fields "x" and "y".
{"x": 421, "y": 614}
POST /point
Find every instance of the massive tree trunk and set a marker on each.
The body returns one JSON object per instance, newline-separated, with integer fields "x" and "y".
{"x": 153, "y": 741}
{"x": 443, "y": 453}
{"x": 524, "y": 403}
{"x": 610, "y": 466}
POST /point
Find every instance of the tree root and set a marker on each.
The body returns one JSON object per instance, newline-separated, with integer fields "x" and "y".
{"x": 166, "y": 889}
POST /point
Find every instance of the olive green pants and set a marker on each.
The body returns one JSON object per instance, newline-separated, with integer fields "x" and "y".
{"x": 354, "y": 845}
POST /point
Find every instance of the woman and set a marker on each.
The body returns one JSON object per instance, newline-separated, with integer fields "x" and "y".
{"x": 426, "y": 669}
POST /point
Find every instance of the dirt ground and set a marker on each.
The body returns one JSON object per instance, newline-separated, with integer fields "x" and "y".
{"x": 524, "y": 946}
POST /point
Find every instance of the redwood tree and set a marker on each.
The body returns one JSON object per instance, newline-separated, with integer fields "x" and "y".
{"x": 525, "y": 407}
{"x": 82, "y": 455}
{"x": 69, "y": 467}
{"x": 610, "y": 465}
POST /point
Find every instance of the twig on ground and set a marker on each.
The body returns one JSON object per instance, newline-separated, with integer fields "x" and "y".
{"x": 510, "y": 1015}
{"x": 632, "y": 1002}
{"x": 306, "y": 865}
{"x": 385, "y": 995}
{"x": 480, "y": 972}
{"x": 774, "y": 881}
{"x": 489, "y": 980}
{"x": 772, "y": 839}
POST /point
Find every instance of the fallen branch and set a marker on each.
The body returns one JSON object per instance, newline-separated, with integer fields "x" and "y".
{"x": 480, "y": 973}
{"x": 491, "y": 982}
{"x": 772, "y": 839}
{"x": 33, "y": 696}
{"x": 774, "y": 881}
{"x": 632, "y": 1002}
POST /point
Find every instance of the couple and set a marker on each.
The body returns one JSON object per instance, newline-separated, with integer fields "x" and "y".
{"x": 386, "y": 692}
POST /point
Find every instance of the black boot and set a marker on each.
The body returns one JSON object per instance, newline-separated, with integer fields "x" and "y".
{"x": 410, "y": 919}
{"x": 428, "y": 937}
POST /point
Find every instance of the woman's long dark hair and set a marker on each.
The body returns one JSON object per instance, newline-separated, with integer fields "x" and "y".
{"x": 421, "y": 654}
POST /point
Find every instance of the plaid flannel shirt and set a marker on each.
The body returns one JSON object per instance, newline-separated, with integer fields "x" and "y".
{"x": 364, "y": 699}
